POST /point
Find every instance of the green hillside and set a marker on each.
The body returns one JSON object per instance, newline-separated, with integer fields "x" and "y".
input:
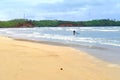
{"x": 56, "y": 23}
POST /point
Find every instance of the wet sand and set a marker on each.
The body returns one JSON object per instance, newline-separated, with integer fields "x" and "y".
{"x": 23, "y": 60}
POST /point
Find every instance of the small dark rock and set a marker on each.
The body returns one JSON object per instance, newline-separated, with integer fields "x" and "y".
{"x": 61, "y": 68}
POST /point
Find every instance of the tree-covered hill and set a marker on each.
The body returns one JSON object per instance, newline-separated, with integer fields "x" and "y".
{"x": 56, "y": 23}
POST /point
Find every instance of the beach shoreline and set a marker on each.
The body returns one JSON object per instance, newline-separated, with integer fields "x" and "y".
{"x": 96, "y": 51}
{"x": 26, "y": 60}
{"x": 94, "y": 41}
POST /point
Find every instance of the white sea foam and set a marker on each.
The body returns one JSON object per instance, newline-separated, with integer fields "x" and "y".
{"x": 72, "y": 29}
{"x": 69, "y": 38}
{"x": 65, "y": 34}
{"x": 102, "y": 29}
{"x": 109, "y": 30}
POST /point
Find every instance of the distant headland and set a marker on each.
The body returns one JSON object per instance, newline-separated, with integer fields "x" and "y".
{"x": 57, "y": 23}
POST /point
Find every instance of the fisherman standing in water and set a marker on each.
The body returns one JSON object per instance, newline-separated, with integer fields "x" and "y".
{"x": 74, "y": 32}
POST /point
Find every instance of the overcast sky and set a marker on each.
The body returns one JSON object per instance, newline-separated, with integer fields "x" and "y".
{"x": 60, "y": 9}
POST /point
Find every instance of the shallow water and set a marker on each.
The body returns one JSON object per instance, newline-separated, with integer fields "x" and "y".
{"x": 102, "y": 42}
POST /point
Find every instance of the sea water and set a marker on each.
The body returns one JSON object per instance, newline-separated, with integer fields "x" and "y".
{"x": 102, "y": 42}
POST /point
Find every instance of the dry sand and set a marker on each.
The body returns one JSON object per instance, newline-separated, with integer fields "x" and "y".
{"x": 21, "y": 60}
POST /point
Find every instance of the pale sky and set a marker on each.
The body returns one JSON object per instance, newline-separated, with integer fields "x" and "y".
{"x": 60, "y": 9}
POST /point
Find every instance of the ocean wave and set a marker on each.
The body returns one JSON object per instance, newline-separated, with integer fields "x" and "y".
{"x": 78, "y": 40}
{"x": 102, "y": 29}
{"x": 65, "y": 34}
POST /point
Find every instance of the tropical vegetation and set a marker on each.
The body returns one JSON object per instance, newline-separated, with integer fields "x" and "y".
{"x": 56, "y": 23}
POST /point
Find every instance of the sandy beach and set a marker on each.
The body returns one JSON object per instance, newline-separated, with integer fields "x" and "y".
{"x": 23, "y": 60}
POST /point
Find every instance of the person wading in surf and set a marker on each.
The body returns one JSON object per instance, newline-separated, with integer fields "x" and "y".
{"x": 74, "y": 32}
